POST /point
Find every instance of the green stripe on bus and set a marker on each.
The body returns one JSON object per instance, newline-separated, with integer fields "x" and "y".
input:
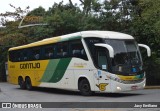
{"x": 55, "y": 70}
{"x": 70, "y": 38}
{"x": 60, "y": 70}
{"x": 51, "y": 67}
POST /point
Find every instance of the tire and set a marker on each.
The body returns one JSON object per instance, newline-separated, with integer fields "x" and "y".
{"x": 21, "y": 83}
{"x": 28, "y": 83}
{"x": 84, "y": 88}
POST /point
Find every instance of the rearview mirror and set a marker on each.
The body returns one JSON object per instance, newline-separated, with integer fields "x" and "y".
{"x": 146, "y": 47}
{"x": 109, "y": 47}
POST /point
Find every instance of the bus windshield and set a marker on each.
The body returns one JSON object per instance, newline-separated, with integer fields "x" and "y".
{"x": 127, "y": 58}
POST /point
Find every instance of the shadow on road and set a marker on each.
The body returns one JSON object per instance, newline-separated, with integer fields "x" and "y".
{"x": 117, "y": 95}
{"x": 76, "y": 93}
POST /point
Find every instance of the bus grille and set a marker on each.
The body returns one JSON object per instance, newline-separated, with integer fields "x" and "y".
{"x": 131, "y": 81}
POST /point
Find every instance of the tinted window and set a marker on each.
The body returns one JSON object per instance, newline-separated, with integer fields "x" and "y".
{"x": 90, "y": 44}
{"x": 49, "y": 52}
{"x": 35, "y": 54}
{"x": 12, "y": 56}
{"x": 59, "y": 50}
{"x": 62, "y": 49}
{"x": 101, "y": 59}
{"x": 100, "y": 55}
{"x": 77, "y": 50}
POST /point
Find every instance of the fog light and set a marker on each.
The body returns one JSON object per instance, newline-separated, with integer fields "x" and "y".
{"x": 118, "y": 88}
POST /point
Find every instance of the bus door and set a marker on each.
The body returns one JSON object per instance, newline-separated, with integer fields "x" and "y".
{"x": 102, "y": 63}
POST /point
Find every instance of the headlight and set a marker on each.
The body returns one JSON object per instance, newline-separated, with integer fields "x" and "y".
{"x": 115, "y": 79}
{"x": 118, "y": 88}
{"x": 118, "y": 80}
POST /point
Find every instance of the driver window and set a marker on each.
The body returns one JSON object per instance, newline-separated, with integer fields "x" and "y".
{"x": 102, "y": 59}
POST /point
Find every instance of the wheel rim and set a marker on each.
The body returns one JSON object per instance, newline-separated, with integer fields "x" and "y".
{"x": 85, "y": 88}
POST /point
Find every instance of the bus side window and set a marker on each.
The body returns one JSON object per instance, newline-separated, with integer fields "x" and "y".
{"x": 17, "y": 58}
{"x": 23, "y": 55}
{"x": 62, "y": 50}
{"x": 49, "y": 52}
{"x": 12, "y": 56}
{"x": 77, "y": 50}
{"x": 35, "y": 54}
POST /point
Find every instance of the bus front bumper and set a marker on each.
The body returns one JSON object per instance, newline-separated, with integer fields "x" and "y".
{"x": 121, "y": 87}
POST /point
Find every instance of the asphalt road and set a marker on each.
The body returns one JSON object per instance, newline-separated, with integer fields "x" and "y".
{"x": 12, "y": 93}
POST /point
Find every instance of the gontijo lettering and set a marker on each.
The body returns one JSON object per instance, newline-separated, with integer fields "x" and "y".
{"x": 30, "y": 65}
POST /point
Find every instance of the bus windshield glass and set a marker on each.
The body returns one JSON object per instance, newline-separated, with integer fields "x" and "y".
{"x": 127, "y": 58}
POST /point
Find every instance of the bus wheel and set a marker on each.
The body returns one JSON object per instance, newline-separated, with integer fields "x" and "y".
{"x": 84, "y": 87}
{"x": 21, "y": 83}
{"x": 28, "y": 83}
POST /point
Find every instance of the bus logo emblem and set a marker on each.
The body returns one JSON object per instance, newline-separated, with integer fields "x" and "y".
{"x": 102, "y": 86}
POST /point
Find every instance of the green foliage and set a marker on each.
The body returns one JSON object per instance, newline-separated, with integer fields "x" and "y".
{"x": 40, "y": 11}
{"x": 146, "y": 29}
{"x": 148, "y": 23}
{"x": 13, "y": 39}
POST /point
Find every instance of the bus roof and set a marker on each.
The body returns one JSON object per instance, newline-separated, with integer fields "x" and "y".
{"x": 106, "y": 34}
{"x": 78, "y": 35}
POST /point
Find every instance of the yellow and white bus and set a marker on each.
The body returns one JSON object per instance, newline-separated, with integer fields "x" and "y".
{"x": 88, "y": 61}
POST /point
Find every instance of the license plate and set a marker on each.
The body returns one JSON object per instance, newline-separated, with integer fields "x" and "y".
{"x": 134, "y": 87}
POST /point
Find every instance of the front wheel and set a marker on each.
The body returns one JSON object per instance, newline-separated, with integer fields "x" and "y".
{"x": 84, "y": 88}
{"x": 28, "y": 83}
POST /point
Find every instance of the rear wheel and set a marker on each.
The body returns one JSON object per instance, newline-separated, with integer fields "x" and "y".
{"x": 84, "y": 87}
{"x": 21, "y": 83}
{"x": 28, "y": 83}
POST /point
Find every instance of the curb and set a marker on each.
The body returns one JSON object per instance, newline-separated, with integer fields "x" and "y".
{"x": 152, "y": 87}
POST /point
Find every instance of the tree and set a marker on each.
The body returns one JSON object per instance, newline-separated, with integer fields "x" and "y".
{"x": 16, "y": 15}
{"x": 146, "y": 29}
{"x": 10, "y": 35}
{"x": 147, "y": 23}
